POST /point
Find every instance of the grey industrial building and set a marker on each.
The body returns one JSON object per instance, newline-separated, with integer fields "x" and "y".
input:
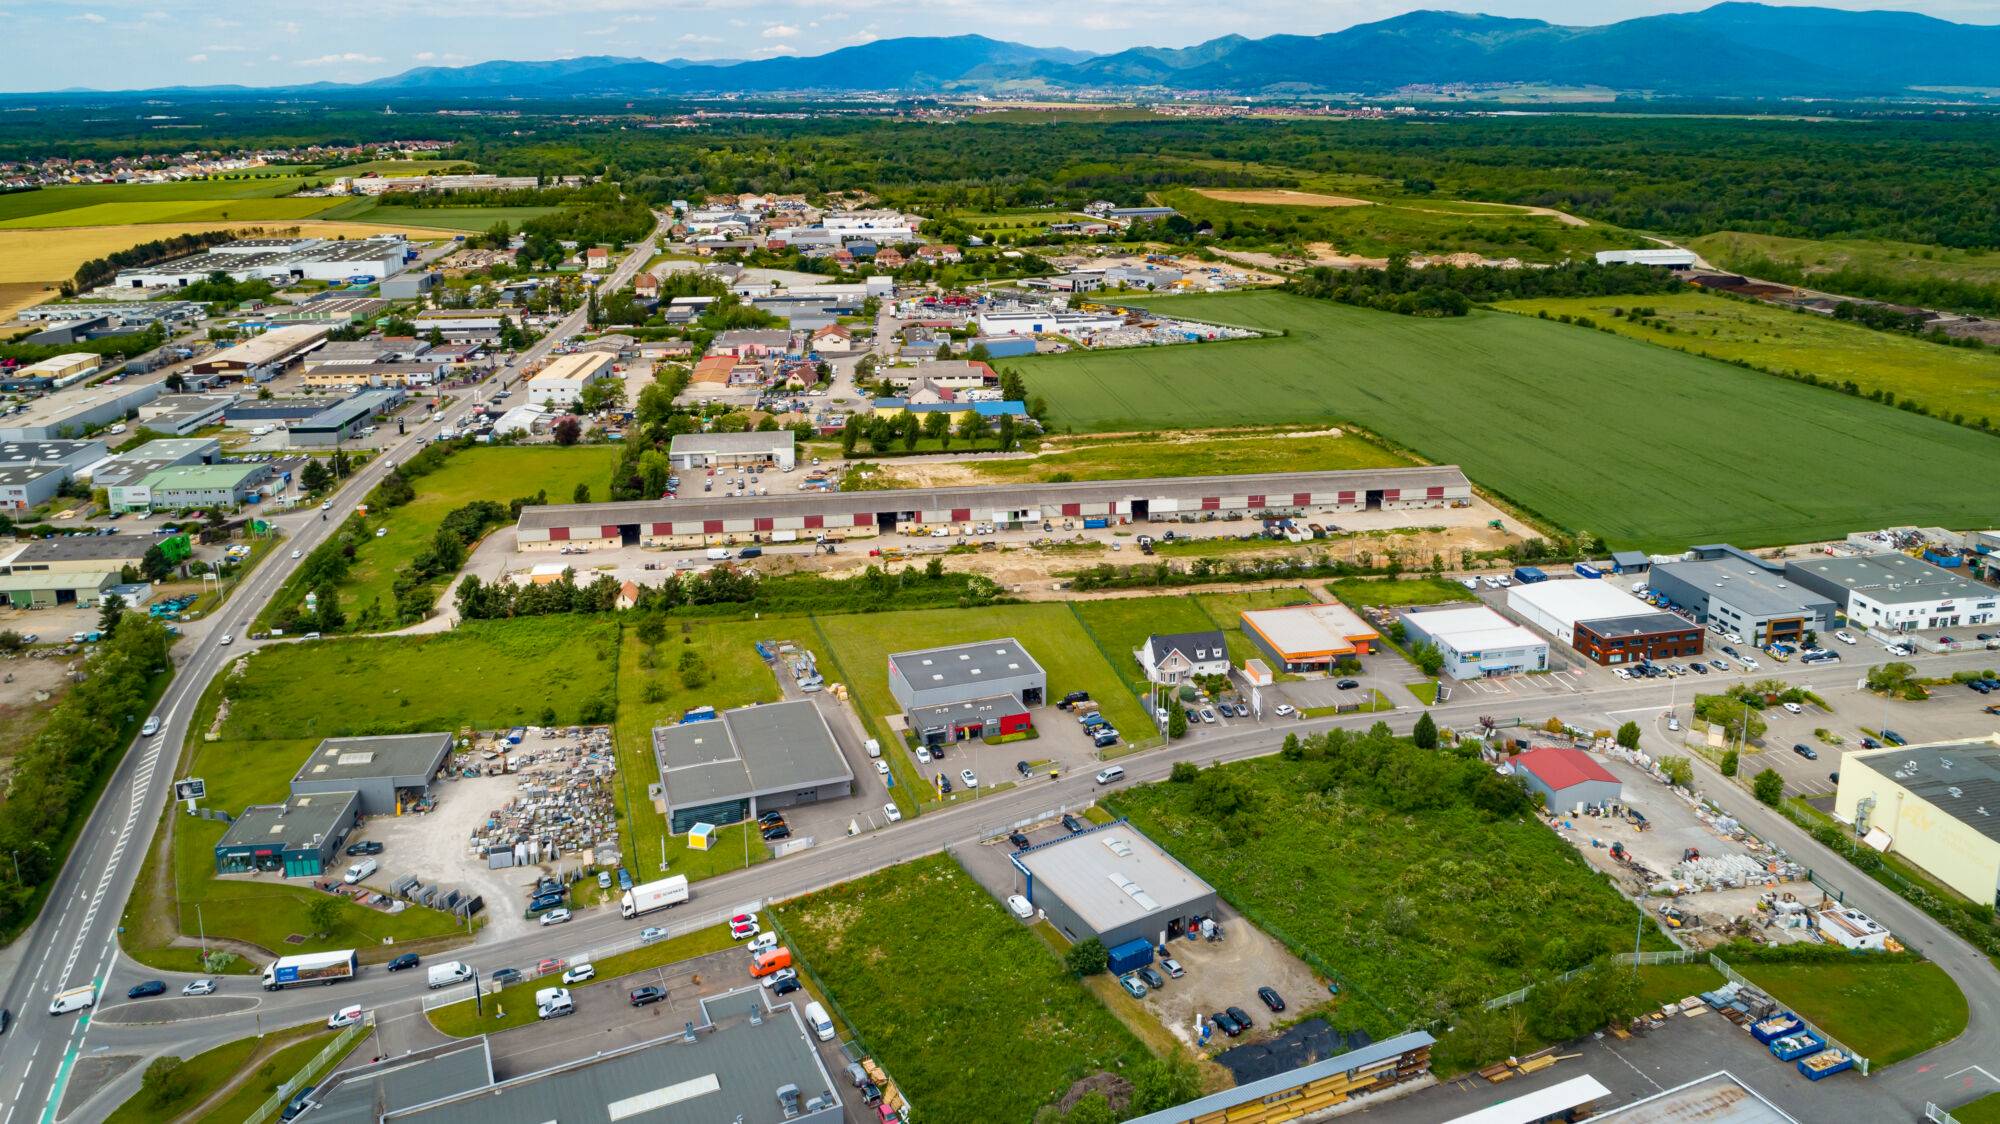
{"x": 1897, "y": 593}
{"x": 383, "y": 769}
{"x": 962, "y": 673}
{"x": 1750, "y": 600}
{"x": 1112, "y": 883}
{"x": 748, "y": 761}
{"x": 167, "y": 452}
{"x": 74, "y": 411}
{"x": 72, "y": 455}
{"x": 726, "y": 1070}
{"x": 345, "y": 420}
{"x": 363, "y": 1094}
{"x": 297, "y": 839}
{"x": 182, "y": 414}
{"x": 733, "y": 450}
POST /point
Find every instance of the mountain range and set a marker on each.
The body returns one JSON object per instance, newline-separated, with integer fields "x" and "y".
{"x": 1730, "y": 49}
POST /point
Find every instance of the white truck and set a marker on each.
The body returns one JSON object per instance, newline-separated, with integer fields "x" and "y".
{"x": 449, "y": 973}
{"x": 311, "y": 968}
{"x": 649, "y": 896}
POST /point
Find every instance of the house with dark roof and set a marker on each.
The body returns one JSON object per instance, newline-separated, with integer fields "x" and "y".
{"x": 1176, "y": 657}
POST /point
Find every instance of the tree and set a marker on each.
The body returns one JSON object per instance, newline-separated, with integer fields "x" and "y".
{"x": 1730, "y": 762}
{"x": 166, "y": 1080}
{"x": 582, "y": 493}
{"x": 971, "y": 427}
{"x": 314, "y": 476}
{"x": 1425, "y": 735}
{"x": 566, "y": 430}
{"x": 1176, "y": 721}
{"x": 1628, "y": 735}
{"x": 323, "y": 913}
{"x": 603, "y": 394}
{"x": 1890, "y": 678}
{"x": 937, "y": 427}
{"x": 1087, "y": 958}
{"x": 1769, "y": 787}
{"x": 154, "y": 564}
{"x": 109, "y": 616}
{"x": 1679, "y": 771}
{"x": 1162, "y": 1083}
{"x": 1185, "y": 772}
{"x": 1008, "y": 437}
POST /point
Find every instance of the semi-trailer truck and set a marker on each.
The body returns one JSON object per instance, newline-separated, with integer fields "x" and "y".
{"x": 649, "y": 896}
{"x": 311, "y": 968}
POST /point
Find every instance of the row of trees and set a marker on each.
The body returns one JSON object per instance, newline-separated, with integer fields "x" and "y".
{"x": 1450, "y": 290}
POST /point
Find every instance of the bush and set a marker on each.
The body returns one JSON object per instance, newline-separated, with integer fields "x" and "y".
{"x": 1628, "y": 735}
{"x": 1679, "y": 771}
{"x": 1769, "y": 787}
{"x": 1425, "y": 735}
{"x": 1185, "y": 772}
{"x": 1730, "y": 761}
{"x": 1088, "y": 958}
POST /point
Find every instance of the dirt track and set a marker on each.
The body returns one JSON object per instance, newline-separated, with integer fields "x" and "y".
{"x": 1281, "y": 197}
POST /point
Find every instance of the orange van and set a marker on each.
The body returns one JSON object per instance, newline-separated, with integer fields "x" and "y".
{"x": 770, "y": 961}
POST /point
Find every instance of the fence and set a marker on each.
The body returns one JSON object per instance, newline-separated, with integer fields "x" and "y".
{"x": 1937, "y": 1115}
{"x": 1671, "y": 956}
{"x": 1860, "y": 1063}
{"x": 334, "y": 1051}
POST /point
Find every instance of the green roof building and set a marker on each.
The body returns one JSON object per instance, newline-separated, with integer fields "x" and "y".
{"x": 191, "y": 485}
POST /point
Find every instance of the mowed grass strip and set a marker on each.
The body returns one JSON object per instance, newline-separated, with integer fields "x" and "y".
{"x": 272, "y": 1075}
{"x": 1001, "y": 1031}
{"x": 1886, "y": 1008}
{"x": 1945, "y": 380}
{"x": 1591, "y": 431}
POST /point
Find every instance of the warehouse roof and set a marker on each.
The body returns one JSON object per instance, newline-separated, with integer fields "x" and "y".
{"x": 1754, "y": 590}
{"x": 752, "y": 442}
{"x": 85, "y": 548}
{"x": 29, "y": 473}
{"x": 1719, "y": 1098}
{"x": 300, "y": 822}
{"x": 62, "y": 579}
{"x": 1009, "y": 496}
{"x": 18, "y": 453}
{"x": 1112, "y": 875}
{"x": 362, "y": 1094}
{"x": 1560, "y": 767}
{"x": 389, "y": 755}
{"x": 1960, "y": 779}
{"x": 959, "y": 664}
{"x": 961, "y": 714}
{"x": 578, "y": 365}
{"x": 754, "y": 749}
{"x": 1277, "y": 1087}
{"x": 1319, "y": 629}
{"x": 1892, "y": 579}
{"x": 1581, "y": 599}
{"x": 204, "y": 477}
{"x": 276, "y": 344}
{"x": 1474, "y": 629}
{"x": 1637, "y": 624}
{"x": 728, "y": 1072}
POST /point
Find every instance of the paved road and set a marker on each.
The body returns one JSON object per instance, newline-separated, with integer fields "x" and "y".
{"x": 74, "y": 940}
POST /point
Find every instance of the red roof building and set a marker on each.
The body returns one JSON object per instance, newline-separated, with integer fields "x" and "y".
{"x": 1566, "y": 777}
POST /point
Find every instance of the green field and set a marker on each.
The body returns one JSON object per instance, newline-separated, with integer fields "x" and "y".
{"x": 167, "y": 211}
{"x": 394, "y": 168}
{"x": 1985, "y": 1110}
{"x": 1414, "y": 591}
{"x": 1121, "y": 625}
{"x": 1001, "y": 1031}
{"x": 271, "y": 1075}
{"x": 438, "y": 218}
{"x": 1399, "y": 224}
{"x": 50, "y": 200}
{"x": 1907, "y": 260}
{"x": 212, "y": 1069}
{"x": 732, "y": 675}
{"x": 1886, "y": 1008}
{"x": 1422, "y": 904}
{"x": 1208, "y": 453}
{"x": 1535, "y": 410}
{"x": 1945, "y": 380}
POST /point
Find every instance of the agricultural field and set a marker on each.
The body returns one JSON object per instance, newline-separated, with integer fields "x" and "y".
{"x": 468, "y": 219}
{"x": 1049, "y": 631}
{"x": 1533, "y": 410}
{"x": 1006, "y": 1030}
{"x": 1422, "y": 910}
{"x": 1909, "y": 261}
{"x": 1886, "y": 1008}
{"x": 1191, "y": 453}
{"x": 1376, "y": 227}
{"x": 1945, "y": 380}
{"x": 19, "y": 205}
{"x": 395, "y": 168}
{"x": 729, "y": 675}
{"x": 137, "y": 212}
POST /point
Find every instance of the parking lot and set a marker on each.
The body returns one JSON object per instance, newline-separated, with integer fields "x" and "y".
{"x": 1227, "y": 973}
{"x": 435, "y": 847}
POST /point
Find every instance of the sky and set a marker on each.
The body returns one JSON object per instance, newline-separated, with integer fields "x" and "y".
{"x": 138, "y": 44}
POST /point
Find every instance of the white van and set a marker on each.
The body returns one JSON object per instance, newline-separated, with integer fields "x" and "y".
{"x": 817, "y": 1020}
{"x": 553, "y": 1003}
{"x": 359, "y": 871}
{"x": 75, "y": 999}
{"x": 1111, "y": 774}
{"x": 449, "y": 973}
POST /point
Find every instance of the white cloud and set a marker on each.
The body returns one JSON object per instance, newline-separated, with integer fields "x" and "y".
{"x": 197, "y": 58}
{"x": 780, "y": 31}
{"x": 691, "y": 37}
{"x": 341, "y": 59}
{"x": 89, "y": 17}
{"x": 776, "y": 49}
{"x": 633, "y": 19}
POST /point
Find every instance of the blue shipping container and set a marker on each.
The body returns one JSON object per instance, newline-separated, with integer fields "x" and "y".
{"x": 1586, "y": 570}
{"x": 1528, "y": 575}
{"x": 1131, "y": 955}
{"x": 1096, "y": 524}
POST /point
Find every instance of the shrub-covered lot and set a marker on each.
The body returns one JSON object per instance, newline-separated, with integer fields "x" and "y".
{"x": 969, "y": 1012}
{"x": 1416, "y": 876}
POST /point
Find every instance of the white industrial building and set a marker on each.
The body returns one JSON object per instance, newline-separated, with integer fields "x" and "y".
{"x": 1660, "y": 258}
{"x": 1044, "y": 322}
{"x": 278, "y": 260}
{"x": 561, "y": 382}
{"x": 734, "y": 450}
{"x": 1478, "y": 643}
{"x": 1897, "y": 593}
{"x": 1555, "y": 607}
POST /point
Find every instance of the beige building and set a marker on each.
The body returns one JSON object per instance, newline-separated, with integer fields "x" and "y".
{"x": 561, "y": 382}
{"x": 1937, "y": 805}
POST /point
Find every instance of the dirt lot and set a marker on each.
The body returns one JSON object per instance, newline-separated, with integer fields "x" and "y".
{"x": 1227, "y": 973}
{"x": 1281, "y": 197}
{"x": 30, "y": 690}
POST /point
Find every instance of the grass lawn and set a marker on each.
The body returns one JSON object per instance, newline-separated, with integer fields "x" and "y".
{"x": 1357, "y": 592}
{"x": 1421, "y": 913}
{"x": 1121, "y": 625}
{"x": 1888, "y": 1009}
{"x": 486, "y": 674}
{"x": 1426, "y": 691}
{"x": 500, "y": 474}
{"x": 212, "y": 1069}
{"x": 1945, "y": 380}
{"x": 1661, "y": 984}
{"x": 1985, "y": 1110}
{"x": 1511, "y": 399}
{"x": 272, "y": 1075}
{"x": 735, "y": 677}
{"x": 514, "y": 1005}
{"x": 1909, "y": 261}
{"x": 1226, "y": 610}
{"x": 1006, "y": 1030}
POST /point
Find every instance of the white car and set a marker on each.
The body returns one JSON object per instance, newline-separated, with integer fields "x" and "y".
{"x": 892, "y": 813}
{"x": 151, "y": 727}
{"x": 199, "y": 987}
{"x": 1284, "y": 710}
{"x": 1621, "y": 673}
{"x": 1844, "y": 637}
{"x": 1794, "y": 708}
{"x": 652, "y": 933}
{"x": 346, "y": 1016}
{"x": 745, "y": 930}
{"x": 765, "y": 942}
{"x": 1470, "y": 583}
{"x": 924, "y": 754}
{"x": 298, "y": 554}
{"x": 970, "y": 778}
{"x": 225, "y": 639}
{"x": 1673, "y": 723}
{"x": 555, "y": 916}
{"x": 578, "y": 973}
{"x": 1020, "y": 906}
{"x": 779, "y": 976}
{"x": 882, "y": 767}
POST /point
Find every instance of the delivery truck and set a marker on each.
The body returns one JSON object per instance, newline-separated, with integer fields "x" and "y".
{"x": 649, "y": 896}
{"x": 311, "y": 968}
{"x": 449, "y": 973}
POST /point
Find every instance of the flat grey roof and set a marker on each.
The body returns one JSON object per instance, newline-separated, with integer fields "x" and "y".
{"x": 91, "y": 548}
{"x": 1934, "y": 772}
{"x": 964, "y": 713}
{"x": 983, "y": 661}
{"x": 1719, "y": 1098}
{"x": 295, "y": 823}
{"x": 1753, "y": 589}
{"x": 1112, "y": 875}
{"x": 395, "y": 755}
{"x": 361, "y": 1095}
{"x": 29, "y": 473}
{"x": 730, "y": 1072}
{"x": 1011, "y": 496}
{"x": 731, "y": 442}
{"x": 1893, "y": 579}
{"x": 1375, "y": 1052}
{"x": 1639, "y": 624}
{"x": 52, "y": 451}
{"x": 749, "y": 751}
